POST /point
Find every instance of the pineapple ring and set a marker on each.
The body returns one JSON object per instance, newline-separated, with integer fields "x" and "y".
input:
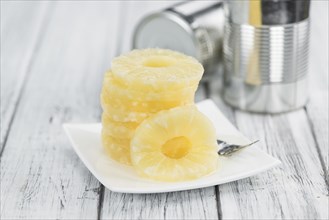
{"x": 119, "y": 153}
{"x": 120, "y": 115}
{"x": 175, "y": 145}
{"x": 114, "y": 89}
{"x": 118, "y": 129}
{"x": 156, "y": 70}
{"x": 122, "y": 142}
{"x": 139, "y": 106}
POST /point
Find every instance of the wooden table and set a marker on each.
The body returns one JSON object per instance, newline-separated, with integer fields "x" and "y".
{"x": 53, "y": 56}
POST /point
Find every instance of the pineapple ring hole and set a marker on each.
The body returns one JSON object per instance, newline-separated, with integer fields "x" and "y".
{"x": 176, "y": 147}
{"x": 158, "y": 62}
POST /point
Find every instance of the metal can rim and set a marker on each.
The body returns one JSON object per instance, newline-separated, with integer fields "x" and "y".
{"x": 176, "y": 18}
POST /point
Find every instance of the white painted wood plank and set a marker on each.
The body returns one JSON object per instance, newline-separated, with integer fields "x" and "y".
{"x": 296, "y": 190}
{"x": 21, "y": 26}
{"x": 192, "y": 204}
{"x": 317, "y": 108}
{"x": 41, "y": 176}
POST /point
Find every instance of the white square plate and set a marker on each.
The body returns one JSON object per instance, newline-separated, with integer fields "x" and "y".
{"x": 85, "y": 139}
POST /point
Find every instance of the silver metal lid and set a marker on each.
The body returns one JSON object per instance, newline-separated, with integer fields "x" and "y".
{"x": 166, "y": 30}
{"x": 194, "y": 28}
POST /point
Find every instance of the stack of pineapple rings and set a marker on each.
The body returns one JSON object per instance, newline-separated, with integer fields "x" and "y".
{"x": 149, "y": 119}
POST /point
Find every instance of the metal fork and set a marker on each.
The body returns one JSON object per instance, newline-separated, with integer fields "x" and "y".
{"x": 228, "y": 149}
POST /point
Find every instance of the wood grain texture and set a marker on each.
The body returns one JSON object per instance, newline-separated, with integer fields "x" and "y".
{"x": 191, "y": 204}
{"x": 21, "y": 30}
{"x": 297, "y": 189}
{"x": 41, "y": 176}
{"x": 317, "y": 108}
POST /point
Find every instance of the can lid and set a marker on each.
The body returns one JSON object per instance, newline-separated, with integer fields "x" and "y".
{"x": 166, "y": 30}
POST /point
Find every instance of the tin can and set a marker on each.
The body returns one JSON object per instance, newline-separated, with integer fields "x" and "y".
{"x": 266, "y": 44}
{"x": 194, "y": 28}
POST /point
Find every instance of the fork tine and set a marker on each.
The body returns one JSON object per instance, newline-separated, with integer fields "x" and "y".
{"x": 229, "y": 149}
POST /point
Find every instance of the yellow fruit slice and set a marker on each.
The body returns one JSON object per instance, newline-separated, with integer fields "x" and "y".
{"x": 118, "y": 152}
{"x": 175, "y": 145}
{"x": 154, "y": 70}
{"x": 120, "y": 91}
{"x": 122, "y": 142}
{"x": 120, "y": 115}
{"x": 124, "y": 103}
{"x": 118, "y": 129}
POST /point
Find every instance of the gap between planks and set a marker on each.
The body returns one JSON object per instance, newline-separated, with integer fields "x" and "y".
{"x": 100, "y": 201}
{"x": 46, "y": 15}
{"x": 317, "y": 147}
{"x": 42, "y": 177}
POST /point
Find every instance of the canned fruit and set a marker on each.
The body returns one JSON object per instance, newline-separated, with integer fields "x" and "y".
{"x": 116, "y": 129}
{"x": 120, "y": 152}
{"x": 148, "y": 100}
{"x": 153, "y": 70}
{"x": 175, "y": 145}
{"x": 121, "y": 115}
{"x": 114, "y": 89}
{"x": 124, "y": 103}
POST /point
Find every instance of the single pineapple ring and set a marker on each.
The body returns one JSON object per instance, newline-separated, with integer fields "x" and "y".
{"x": 120, "y": 153}
{"x": 156, "y": 70}
{"x": 122, "y": 142}
{"x": 118, "y": 129}
{"x": 175, "y": 145}
{"x": 120, "y": 115}
{"x": 114, "y": 89}
{"x": 140, "y": 106}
